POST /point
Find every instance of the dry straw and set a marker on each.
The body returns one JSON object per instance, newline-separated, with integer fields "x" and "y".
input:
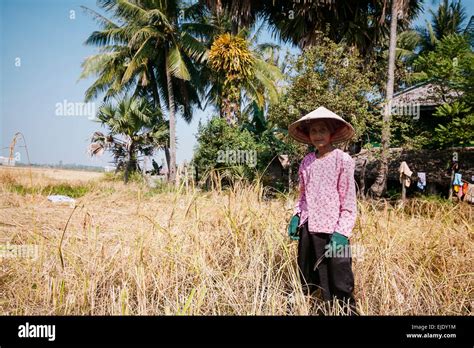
{"x": 129, "y": 250}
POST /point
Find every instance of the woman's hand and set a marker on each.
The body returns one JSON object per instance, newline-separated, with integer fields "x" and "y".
{"x": 338, "y": 240}
{"x": 293, "y": 227}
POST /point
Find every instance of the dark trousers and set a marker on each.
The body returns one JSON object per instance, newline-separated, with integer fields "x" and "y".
{"x": 333, "y": 274}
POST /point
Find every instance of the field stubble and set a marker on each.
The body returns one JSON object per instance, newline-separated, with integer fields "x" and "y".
{"x": 128, "y": 250}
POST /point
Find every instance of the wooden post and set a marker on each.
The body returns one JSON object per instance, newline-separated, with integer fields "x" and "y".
{"x": 362, "y": 179}
{"x": 192, "y": 169}
{"x": 289, "y": 174}
{"x": 404, "y": 190}
{"x": 186, "y": 175}
{"x": 145, "y": 158}
{"x": 450, "y": 195}
{"x": 196, "y": 174}
{"x": 178, "y": 176}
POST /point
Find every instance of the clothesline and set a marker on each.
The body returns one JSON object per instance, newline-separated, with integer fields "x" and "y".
{"x": 468, "y": 182}
{"x": 463, "y": 188}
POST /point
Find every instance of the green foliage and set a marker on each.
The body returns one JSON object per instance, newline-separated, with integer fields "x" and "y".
{"x": 135, "y": 177}
{"x": 258, "y": 137}
{"x": 73, "y": 191}
{"x": 460, "y": 129}
{"x": 329, "y": 75}
{"x": 450, "y": 65}
{"x": 360, "y": 24}
{"x": 408, "y": 133}
{"x": 447, "y": 20}
{"x": 451, "y": 68}
{"x": 216, "y": 140}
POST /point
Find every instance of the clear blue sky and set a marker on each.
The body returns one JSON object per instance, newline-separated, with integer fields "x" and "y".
{"x": 48, "y": 44}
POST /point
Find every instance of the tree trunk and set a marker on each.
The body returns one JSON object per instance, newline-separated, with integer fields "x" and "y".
{"x": 450, "y": 193}
{"x": 156, "y": 103}
{"x": 128, "y": 165}
{"x": 219, "y": 8}
{"x": 172, "y": 121}
{"x": 167, "y": 157}
{"x": 379, "y": 187}
{"x": 230, "y": 106}
{"x": 234, "y": 26}
{"x": 362, "y": 180}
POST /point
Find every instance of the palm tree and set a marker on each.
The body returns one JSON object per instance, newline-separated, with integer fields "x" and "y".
{"x": 160, "y": 33}
{"x": 447, "y": 20}
{"x": 157, "y": 57}
{"x": 135, "y": 128}
{"x": 379, "y": 187}
{"x": 239, "y": 71}
{"x": 230, "y": 57}
{"x": 111, "y": 62}
{"x": 357, "y": 22}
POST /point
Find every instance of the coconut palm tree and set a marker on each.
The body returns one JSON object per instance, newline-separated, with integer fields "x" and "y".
{"x": 448, "y": 19}
{"x": 110, "y": 63}
{"x": 152, "y": 52}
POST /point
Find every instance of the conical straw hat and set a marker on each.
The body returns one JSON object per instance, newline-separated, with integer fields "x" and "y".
{"x": 344, "y": 130}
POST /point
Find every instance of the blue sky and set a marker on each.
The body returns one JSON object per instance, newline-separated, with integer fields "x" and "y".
{"x": 40, "y": 62}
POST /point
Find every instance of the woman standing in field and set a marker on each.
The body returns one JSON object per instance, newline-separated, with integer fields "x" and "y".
{"x": 326, "y": 211}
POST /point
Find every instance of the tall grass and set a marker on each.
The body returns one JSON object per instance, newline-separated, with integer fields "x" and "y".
{"x": 224, "y": 251}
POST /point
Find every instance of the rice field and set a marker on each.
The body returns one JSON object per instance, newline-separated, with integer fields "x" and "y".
{"x": 131, "y": 250}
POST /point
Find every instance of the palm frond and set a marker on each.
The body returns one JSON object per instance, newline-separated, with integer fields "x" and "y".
{"x": 107, "y": 37}
{"x": 103, "y": 21}
{"x": 176, "y": 64}
{"x": 194, "y": 48}
{"x": 138, "y": 61}
{"x": 130, "y": 12}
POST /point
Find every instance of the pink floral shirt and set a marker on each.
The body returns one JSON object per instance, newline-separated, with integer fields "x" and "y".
{"x": 327, "y": 193}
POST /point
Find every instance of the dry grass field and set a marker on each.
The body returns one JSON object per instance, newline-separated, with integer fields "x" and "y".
{"x": 140, "y": 251}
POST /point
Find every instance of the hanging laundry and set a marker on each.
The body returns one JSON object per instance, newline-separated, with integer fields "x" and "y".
{"x": 457, "y": 184}
{"x": 469, "y": 197}
{"x": 465, "y": 186}
{"x": 460, "y": 193}
{"x": 405, "y": 174}
{"x": 457, "y": 179}
{"x": 421, "y": 180}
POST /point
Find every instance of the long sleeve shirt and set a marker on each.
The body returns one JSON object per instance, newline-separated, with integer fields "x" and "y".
{"x": 327, "y": 193}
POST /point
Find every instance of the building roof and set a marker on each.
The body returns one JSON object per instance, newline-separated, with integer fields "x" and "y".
{"x": 424, "y": 94}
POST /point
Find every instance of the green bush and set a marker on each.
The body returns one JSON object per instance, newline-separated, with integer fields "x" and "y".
{"x": 226, "y": 148}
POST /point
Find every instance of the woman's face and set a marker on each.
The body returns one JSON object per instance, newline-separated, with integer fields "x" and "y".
{"x": 319, "y": 134}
